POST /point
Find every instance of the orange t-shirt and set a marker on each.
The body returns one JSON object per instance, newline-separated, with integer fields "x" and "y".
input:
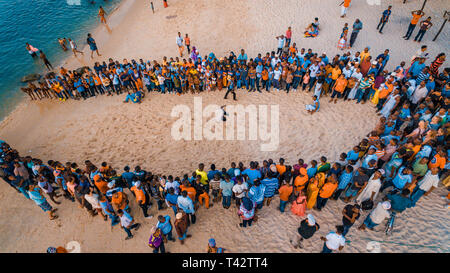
{"x": 102, "y": 186}
{"x": 300, "y": 182}
{"x": 190, "y": 191}
{"x": 328, "y": 190}
{"x": 285, "y": 191}
{"x": 265, "y": 75}
{"x": 415, "y": 19}
{"x": 119, "y": 200}
{"x": 140, "y": 195}
{"x": 281, "y": 169}
{"x": 440, "y": 162}
{"x": 340, "y": 85}
{"x": 385, "y": 91}
{"x": 347, "y": 3}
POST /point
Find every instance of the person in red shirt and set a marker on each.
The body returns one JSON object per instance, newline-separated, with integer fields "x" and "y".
{"x": 288, "y": 36}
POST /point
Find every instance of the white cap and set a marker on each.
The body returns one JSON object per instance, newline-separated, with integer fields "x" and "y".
{"x": 111, "y": 184}
{"x": 137, "y": 184}
{"x": 386, "y": 205}
{"x": 311, "y": 219}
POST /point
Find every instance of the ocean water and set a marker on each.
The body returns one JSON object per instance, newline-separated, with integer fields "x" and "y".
{"x": 40, "y": 23}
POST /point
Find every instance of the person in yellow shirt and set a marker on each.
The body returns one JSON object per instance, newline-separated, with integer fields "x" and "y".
{"x": 202, "y": 173}
{"x": 364, "y": 54}
{"x": 416, "y": 14}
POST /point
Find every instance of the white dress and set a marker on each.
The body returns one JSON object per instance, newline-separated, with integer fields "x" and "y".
{"x": 372, "y": 186}
{"x": 387, "y": 108}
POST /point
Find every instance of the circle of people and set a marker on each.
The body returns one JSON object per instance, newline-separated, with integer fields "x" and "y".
{"x": 406, "y": 152}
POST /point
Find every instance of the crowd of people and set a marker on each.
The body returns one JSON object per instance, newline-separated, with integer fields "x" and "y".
{"x": 407, "y": 152}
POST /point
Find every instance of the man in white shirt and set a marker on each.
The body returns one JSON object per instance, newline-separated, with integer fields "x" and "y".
{"x": 334, "y": 240}
{"x": 276, "y": 78}
{"x": 281, "y": 41}
{"x": 377, "y": 216}
{"x": 239, "y": 190}
{"x": 420, "y": 93}
{"x": 127, "y": 223}
{"x": 180, "y": 44}
{"x": 425, "y": 186}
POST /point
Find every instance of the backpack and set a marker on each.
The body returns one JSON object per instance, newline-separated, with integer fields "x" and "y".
{"x": 367, "y": 205}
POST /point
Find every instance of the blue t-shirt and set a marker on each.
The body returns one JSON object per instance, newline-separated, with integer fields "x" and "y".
{"x": 165, "y": 227}
{"x": 128, "y": 177}
{"x": 172, "y": 198}
{"x": 352, "y": 155}
{"x": 226, "y": 187}
{"x": 400, "y": 179}
{"x": 252, "y": 174}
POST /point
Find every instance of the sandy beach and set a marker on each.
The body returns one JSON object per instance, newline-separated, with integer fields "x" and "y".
{"x": 105, "y": 129}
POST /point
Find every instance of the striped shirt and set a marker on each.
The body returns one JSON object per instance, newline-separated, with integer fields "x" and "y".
{"x": 271, "y": 185}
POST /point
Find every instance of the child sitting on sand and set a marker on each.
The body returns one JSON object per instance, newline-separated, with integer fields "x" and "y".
{"x": 313, "y": 29}
{"x": 312, "y": 108}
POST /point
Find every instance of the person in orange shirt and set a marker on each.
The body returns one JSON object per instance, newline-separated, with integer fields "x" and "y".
{"x": 439, "y": 160}
{"x": 101, "y": 14}
{"x": 189, "y": 189}
{"x": 187, "y": 42}
{"x": 285, "y": 191}
{"x": 141, "y": 199}
{"x": 300, "y": 181}
{"x": 326, "y": 191}
{"x": 344, "y": 6}
{"x": 101, "y": 184}
{"x": 338, "y": 88}
{"x": 384, "y": 92}
{"x": 416, "y": 14}
{"x": 119, "y": 200}
{"x": 281, "y": 168}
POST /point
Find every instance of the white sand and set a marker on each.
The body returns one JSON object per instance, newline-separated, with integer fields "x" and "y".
{"x": 104, "y": 129}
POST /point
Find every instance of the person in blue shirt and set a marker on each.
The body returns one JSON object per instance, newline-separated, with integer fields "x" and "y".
{"x": 353, "y": 154}
{"x": 345, "y": 179}
{"x": 400, "y": 201}
{"x": 384, "y": 19}
{"x": 403, "y": 177}
{"x": 128, "y": 176}
{"x": 271, "y": 186}
{"x": 226, "y": 191}
{"x": 252, "y": 173}
{"x": 417, "y": 67}
{"x": 212, "y": 172}
{"x": 242, "y": 58}
{"x": 385, "y": 58}
{"x": 172, "y": 199}
{"x": 165, "y": 226}
{"x": 256, "y": 193}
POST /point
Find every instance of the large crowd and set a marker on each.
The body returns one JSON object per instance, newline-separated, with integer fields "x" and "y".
{"x": 407, "y": 151}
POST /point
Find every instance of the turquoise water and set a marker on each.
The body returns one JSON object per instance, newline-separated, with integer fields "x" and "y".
{"x": 40, "y": 23}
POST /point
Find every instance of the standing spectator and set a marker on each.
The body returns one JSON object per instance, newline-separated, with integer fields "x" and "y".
{"x": 384, "y": 19}
{"x": 334, "y": 240}
{"x": 127, "y": 223}
{"x": 306, "y": 230}
{"x": 187, "y": 42}
{"x": 180, "y": 44}
{"x": 288, "y": 36}
{"x": 416, "y": 14}
{"x": 424, "y": 26}
{"x": 281, "y": 41}
{"x": 344, "y": 6}
{"x": 92, "y": 45}
{"x": 350, "y": 214}
{"x": 165, "y": 226}
{"x": 181, "y": 226}
{"x": 357, "y": 26}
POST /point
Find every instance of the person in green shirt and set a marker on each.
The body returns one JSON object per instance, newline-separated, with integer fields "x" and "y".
{"x": 420, "y": 167}
{"x": 324, "y": 166}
